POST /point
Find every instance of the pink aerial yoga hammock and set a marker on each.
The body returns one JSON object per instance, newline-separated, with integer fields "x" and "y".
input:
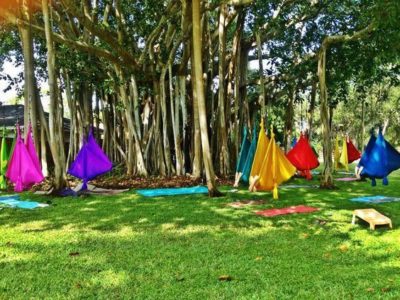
{"x": 90, "y": 162}
{"x": 24, "y": 167}
{"x": 30, "y": 146}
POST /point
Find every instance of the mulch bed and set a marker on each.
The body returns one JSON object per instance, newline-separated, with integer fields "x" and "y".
{"x": 127, "y": 182}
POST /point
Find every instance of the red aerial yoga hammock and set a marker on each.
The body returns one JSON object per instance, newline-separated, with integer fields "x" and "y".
{"x": 24, "y": 168}
{"x": 352, "y": 152}
{"x": 303, "y": 157}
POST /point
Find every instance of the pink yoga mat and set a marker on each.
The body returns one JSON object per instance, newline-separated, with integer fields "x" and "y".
{"x": 286, "y": 210}
{"x": 347, "y": 179}
{"x": 240, "y": 204}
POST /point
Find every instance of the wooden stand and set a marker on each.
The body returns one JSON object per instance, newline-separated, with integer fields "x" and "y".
{"x": 371, "y": 216}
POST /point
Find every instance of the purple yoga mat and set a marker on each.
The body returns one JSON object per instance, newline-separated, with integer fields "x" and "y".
{"x": 347, "y": 179}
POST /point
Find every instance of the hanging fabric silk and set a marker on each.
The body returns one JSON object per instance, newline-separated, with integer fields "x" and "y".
{"x": 352, "y": 152}
{"x": 303, "y": 157}
{"x": 90, "y": 162}
{"x": 344, "y": 159}
{"x": 4, "y": 156}
{"x": 21, "y": 170}
{"x": 250, "y": 157}
{"x": 275, "y": 169}
{"x": 262, "y": 145}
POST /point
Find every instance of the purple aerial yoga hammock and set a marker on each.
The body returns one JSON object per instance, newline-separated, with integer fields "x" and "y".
{"x": 90, "y": 162}
{"x": 22, "y": 170}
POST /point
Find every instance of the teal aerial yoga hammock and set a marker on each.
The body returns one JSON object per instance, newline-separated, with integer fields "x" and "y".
{"x": 244, "y": 150}
{"x": 248, "y": 158}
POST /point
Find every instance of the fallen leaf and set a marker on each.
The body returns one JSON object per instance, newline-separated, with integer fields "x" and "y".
{"x": 9, "y": 244}
{"x": 385, "y": 289}
{"x": 344, "y": 248}
{"x": 259, "y": 258}
{"x": 74, "y": 254}
{"x": 370, "y": 290}
{"x": 225, "y": 278}
{"x": 327, "y": 255}
{"x": 78, "y": 285}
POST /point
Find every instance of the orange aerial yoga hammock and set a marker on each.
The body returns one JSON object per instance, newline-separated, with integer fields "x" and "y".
{"x": 275, "y": 169}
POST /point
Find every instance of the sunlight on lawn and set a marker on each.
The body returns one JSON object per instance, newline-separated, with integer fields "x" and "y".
{"x": 178, "y": 247}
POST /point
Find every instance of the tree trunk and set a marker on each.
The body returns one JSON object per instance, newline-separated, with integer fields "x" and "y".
{"x": 135, "y": 154}
{"x": 56, "y": 142}
{"x": 261, "y": 97}
{"x": 361, "y": 141}
{"x": 164, "y": 113}
{"x": 223, "y": 150}
{"x": 289, "y": 119}
{"x": 174, "y": 101}
{"x": 311, "y": 109}
{"x": 326, "y": 178}
{"x": 199, "y": 91}
{"x": 196, "y": 169}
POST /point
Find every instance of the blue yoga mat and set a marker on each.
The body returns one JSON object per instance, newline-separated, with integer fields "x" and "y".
{"x": 9, "y": 197}
{"x": 375, "y": 199}
{"x": 14, "y": 201}
{"x": 173, "y": 191}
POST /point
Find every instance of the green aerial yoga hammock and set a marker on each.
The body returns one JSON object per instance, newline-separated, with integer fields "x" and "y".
{"x": 4, "y": 156}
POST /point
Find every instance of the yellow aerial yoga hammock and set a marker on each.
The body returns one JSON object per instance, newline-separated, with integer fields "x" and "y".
{"x": 336, "y": 154}
{"x": 262, "y": 145}
{"x": 344, "y": 160}
{"x": 275, "y": 169}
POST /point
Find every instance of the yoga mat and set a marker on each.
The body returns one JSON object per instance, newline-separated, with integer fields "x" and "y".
{"x": 9, "y": 197}
{"x": 345, "y": 173}
{"x": 14, "y": 201}
{"x": 347, "y": 179}
{"x": 375, "y": 199}
{"x": 286, "y": 210}
{"x": 240, "y": 204}
{"x": 173, "y": 191}
{"x": 298, "y": 186}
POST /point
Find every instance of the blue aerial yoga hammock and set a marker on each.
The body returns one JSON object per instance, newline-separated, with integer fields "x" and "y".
{"x": 90, "y": 162}
{"x": 293, "y": 143}
{"x": 379, "y": 159}
{"x": 250, "y": 157}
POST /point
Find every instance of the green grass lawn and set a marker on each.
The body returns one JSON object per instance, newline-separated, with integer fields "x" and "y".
{"x": 127, "y": 246}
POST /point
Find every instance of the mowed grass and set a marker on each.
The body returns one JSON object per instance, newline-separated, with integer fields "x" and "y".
{"x": 131, "y": 247}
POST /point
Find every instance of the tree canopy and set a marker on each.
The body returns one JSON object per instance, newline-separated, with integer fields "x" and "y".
{"x": 169, "y": 94}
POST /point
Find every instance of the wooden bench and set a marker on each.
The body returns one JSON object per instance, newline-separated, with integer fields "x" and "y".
{"x": 371, "y": 216}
